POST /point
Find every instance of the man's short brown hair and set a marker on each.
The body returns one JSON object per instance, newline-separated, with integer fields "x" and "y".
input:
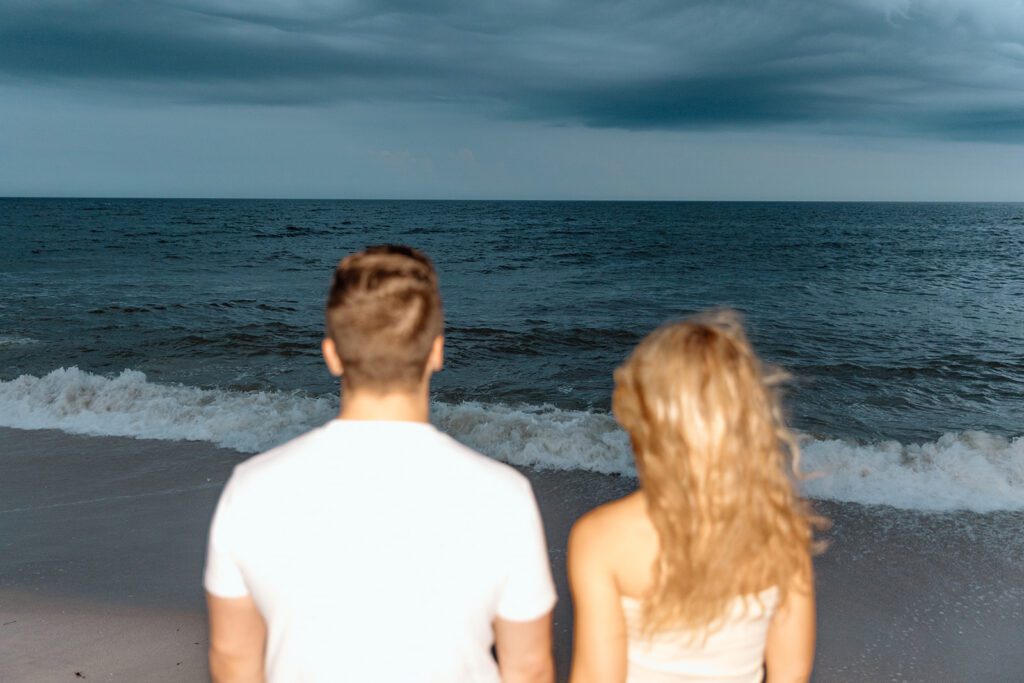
{"x": 383, "y": 314}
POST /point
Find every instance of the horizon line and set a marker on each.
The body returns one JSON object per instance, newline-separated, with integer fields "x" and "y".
{"x": 4, "y": 197}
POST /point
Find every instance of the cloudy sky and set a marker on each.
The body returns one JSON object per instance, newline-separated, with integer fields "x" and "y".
{"x": 575, "y": 99}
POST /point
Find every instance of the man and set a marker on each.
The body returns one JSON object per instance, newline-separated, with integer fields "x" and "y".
{"x": 376, "y": 548}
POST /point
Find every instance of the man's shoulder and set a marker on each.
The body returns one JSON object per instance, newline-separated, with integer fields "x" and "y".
{"x": 485, "y": 470}
{"x": 270, "y": 464}
{"x": 431, "y": 451}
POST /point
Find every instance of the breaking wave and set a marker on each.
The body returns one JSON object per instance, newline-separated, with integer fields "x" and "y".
{"x": 963, "y": 471}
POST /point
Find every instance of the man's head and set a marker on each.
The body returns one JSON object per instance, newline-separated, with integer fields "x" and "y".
{"x": 384, "y": 320}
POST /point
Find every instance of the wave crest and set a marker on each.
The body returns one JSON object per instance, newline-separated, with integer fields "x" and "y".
{"x": 15, "y": 340}
{"x": 970, "y": 470}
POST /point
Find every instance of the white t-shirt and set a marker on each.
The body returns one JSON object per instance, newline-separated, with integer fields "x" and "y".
{"x": 380, "y": 551}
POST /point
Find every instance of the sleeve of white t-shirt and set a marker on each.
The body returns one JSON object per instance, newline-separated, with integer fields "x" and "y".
{"x": 223, "y": 576}
{"x": 529, "y": 591}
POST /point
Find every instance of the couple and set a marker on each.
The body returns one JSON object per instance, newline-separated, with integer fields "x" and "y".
{"x": 376, "y": 548}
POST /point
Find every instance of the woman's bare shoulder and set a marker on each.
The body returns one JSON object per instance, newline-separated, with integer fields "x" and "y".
{"x": 616, "y": 540}
{"x": 607, "y": 523}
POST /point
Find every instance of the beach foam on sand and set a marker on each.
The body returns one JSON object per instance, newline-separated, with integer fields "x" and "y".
{"x": 102, "y": 542}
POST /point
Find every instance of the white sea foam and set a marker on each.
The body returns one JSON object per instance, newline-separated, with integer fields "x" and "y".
{"x": 540, "y": 436}
{"x": 128, "y": 405}
{"x": 965, "y": 471}
{"x": 971, "y": 470}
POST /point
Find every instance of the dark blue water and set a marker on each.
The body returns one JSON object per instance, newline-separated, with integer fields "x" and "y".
{"x": 899, "y": 321}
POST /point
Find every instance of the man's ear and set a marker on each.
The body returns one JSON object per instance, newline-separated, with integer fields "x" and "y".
{"x": 331, "y": 357}
{"x": 436, "y": 359}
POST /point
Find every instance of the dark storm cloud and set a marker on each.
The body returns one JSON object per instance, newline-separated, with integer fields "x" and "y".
{"x": 942, "y": 68}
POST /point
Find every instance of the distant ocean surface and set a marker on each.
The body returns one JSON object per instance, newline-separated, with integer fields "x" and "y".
{"x": 903, "y": 325}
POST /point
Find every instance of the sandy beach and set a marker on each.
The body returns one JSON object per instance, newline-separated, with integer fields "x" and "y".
{"x": 103, "y": 542}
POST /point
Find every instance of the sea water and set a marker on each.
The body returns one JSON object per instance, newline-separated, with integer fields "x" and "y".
{"x": 902, "y": 325}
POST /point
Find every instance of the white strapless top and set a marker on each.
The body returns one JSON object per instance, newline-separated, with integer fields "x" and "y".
{"x": 732, "y": 654}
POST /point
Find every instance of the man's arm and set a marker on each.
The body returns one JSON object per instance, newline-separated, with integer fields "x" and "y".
{"x": 522, "y": 621}
{"x": 524, "y": 650}
{"x": 238, "y": 638}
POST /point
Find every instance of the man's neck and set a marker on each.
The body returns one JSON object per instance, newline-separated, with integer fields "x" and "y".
{"x": 398, "y": 406}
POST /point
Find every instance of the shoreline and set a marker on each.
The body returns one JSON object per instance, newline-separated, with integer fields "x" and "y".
{"x": 105, "y": 540}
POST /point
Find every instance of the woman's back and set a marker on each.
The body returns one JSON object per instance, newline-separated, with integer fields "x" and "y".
{"x": 624, "y": 545}
{"x": 733, "y": 653}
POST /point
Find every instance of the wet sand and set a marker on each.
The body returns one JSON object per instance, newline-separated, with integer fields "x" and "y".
{"x": 103, "y": 539}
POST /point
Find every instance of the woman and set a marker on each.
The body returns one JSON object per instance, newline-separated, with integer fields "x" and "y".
{"x": 703, "y": 574}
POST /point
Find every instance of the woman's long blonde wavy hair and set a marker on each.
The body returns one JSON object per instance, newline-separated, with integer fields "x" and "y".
{"x": 716, "y": 464}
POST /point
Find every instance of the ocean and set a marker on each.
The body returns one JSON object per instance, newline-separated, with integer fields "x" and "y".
{"x": 902, "y": 325}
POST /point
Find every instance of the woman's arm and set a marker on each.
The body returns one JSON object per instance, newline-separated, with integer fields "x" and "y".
{"x": 599, "y": 647}
{"x": 789, "y": 652}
